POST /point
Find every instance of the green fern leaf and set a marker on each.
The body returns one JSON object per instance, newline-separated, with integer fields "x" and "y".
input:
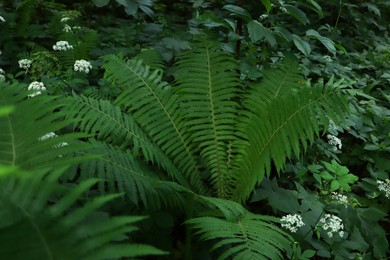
{"x": 208, "y": 87}
{"x": 22, "y": 135}
{"x": 276, "y": 133}
{"x": 108, "y": 123}
{"x": 30, "y": 229}
{"x": 123, "y": 173}
{"x": 155, "y": 109}
{"x": 245, "y": 236}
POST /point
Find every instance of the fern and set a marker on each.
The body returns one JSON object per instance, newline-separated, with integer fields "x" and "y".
{"x": 207, "y": 90}
{"x": 110, "y": 124}
{"x": 241, "y": 234}
{"x": 155, "y": 109}
{"x": 30, "y": 229}
{"x": 31, "y": 119}
{"x": 123, "y": 173}
{"x": 277, "y": 132}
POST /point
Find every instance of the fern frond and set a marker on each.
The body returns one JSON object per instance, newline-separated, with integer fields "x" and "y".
{"x": 155, "y": 109}
{"x": 121, "y": 172}
{"x": 243, "y": 236}
{"x": 277, "y": 82}
{"x": 31, "y": 229}
{"x": 152, "y": 58}
{"x": 277, "y": 133}
{"x": 208, "y": 87}
{"x": 108, "y": 123}
{"x": 22, "y": 131}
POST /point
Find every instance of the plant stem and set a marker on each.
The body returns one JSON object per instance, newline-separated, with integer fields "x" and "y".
{"x": 188, "y": 230}
{"x": 338, "y": 15}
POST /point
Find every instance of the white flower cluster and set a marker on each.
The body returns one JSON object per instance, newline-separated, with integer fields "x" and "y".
{"x": 24, "y": 64}
{"x": 292, "y": 222}
{"x": 82, "y": 66}
{"x": 2, "y": 19}
{"x": 327, "y": 58}
{"x": 334, "y": 142}
{"x": 332, "y": 225}
{"x": 67, "y": 28}
{"x": 47, "y": 136}
{"x": 62, "y": 46}
{"x": 64, "y": 19}
{"x": 339, "y": 198}
{"x": 38, "y": 86}
{"x": 52, "y": 135}
{"x": 385, "y": 187}
{"x": 2, "y": 77}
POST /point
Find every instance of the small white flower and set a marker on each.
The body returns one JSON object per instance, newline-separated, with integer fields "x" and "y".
{"x": 339, "y": 198}
{"x": 24, "y": 64}
{"x": 2, "y": 19}
{"x": 64, "y": 19}
{"x": 334, "y": 141}
{"x": 61, "y": 145}
{"x": 2, "y": 78}
{"x": 385, "y": 187}
{"x": 38, "y": 86}
{"x": 332, "y": 126}
{"x": 332, "y": 225}
{"x": 82, "y": 66}
{"x": 2, "y": 71}
{"x": 67, "y": 28}
{"x": 328, "y": 58}
{"x": 76, "y": 27}
{"x": 292, "y": 222}
{"x": 62, "y": 46}
{"x": 47, "y": 136}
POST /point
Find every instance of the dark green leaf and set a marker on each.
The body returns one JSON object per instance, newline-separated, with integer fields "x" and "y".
{"x": 267, "y": 4}
{"x": 297, "y": 13}
{"x": 101, "y": 3}
{"x": 302, "y": 45}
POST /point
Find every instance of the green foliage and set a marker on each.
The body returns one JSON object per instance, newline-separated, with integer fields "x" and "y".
{"x": 30, "y": 228}
{"x": 169, "y": 124}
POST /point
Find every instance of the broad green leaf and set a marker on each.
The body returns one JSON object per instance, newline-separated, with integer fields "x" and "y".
{"x": 326, "y": 176}
{"x": 328, "y": 43}
{"x": 334, "y": 185}
{"x": 371, "y": 214}
{"x": 297, "y": 13}
{"x": 101, "y": 3}
{"x": 238, "y": 11}
{"x": 258, "y": 32}
{"x": 308, "y": 253}
{"x": 267, "y": 4}
{"x": 349, "y": 178}
{"x": 316, "y": 7}
{"x": 302, "y": 45}
{"x": 336, "y": 168}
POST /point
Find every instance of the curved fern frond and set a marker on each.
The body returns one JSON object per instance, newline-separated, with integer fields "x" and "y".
{"x": 208, "y": 87}
{"x": 277, "y": 82}
{"x": 152, "y": 58}
{"x": 23, "y": 136}
{"x": 108, "y": 123}
{"x": 122, "y": 172}
{"x": 155, "y": 109}
{"x": 30, "y": 228}
{"x": 277, "y": 133}
{"x": 241, "y": 234}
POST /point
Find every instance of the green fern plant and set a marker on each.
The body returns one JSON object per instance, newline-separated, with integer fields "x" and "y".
{"x": 208, "y": 133}
{"x": 40, "y": 218}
